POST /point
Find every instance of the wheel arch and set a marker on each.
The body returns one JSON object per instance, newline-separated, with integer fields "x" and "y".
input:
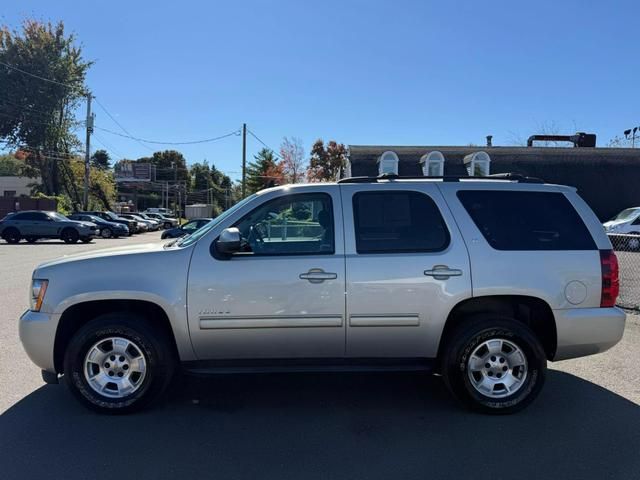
{"x": 531, "y": 311}
{"x": 77, "y": 315}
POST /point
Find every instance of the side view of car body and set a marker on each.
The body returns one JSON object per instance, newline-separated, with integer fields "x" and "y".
{"x": 112, "y": 217}
{"x": 480, "y": 280}
{"x": 33, "y": 225}
{"x": 107, "y": 229}
{"x": 143, "y": 225}
{"x": 186, "y": 229}
{"x": 167, "y": 222}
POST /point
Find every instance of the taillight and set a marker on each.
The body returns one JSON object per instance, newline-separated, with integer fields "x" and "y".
{"x": 610, "y": 280}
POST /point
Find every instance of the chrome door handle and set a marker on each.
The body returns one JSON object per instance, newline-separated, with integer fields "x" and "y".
{"x": 317, "y": 275}
{"x": 442, "y": 272}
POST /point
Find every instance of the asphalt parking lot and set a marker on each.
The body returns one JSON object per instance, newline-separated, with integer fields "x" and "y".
{"x": 586, "y": 423}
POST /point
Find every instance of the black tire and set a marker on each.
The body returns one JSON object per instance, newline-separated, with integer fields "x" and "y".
{"x": 31, "y": 239}
{"x": 155, "y": 346}
{"x": 11, "y": 235}
{"x": 167, "y": 225}
{"x": 70, "y": 235}
{"x": 471, "y": 335}
{"x": 633, "y": 243}
{"x": 86, "y": 239}
{"x": 107, "y": 231}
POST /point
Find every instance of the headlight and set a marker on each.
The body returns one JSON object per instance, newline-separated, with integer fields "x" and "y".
{"x": 38, "y": 289}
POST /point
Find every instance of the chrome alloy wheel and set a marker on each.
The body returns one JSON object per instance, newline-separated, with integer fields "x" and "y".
{"x": 115, "y": 367}
{"x": 497, "y": 368}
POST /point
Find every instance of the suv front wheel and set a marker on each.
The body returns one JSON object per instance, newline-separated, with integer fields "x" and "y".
{"x": 495, "y": 366}
{"x": 117, "y": 363}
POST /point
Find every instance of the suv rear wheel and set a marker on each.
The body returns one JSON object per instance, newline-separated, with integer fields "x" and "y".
{"x": 11, "y": 235}
{"x": 116, "y": 363}
{"x": 494, "y": 365}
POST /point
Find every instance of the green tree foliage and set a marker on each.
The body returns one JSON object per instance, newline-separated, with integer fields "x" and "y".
{"x": 10, "y": 166}
{"x": 170, "y": 165}
{"x": 211, "y": 185}
{"x": 325, "y": 163}
{"x": 100, "y": 159}
{"x": 38, "y": 115}
{"x": 264, "y": 172}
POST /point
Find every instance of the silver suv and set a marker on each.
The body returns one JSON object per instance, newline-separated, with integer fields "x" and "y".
{"x": 479, "y": 280}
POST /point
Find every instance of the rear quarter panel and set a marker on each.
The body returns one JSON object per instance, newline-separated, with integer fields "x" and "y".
{"x": 548, "y": 275}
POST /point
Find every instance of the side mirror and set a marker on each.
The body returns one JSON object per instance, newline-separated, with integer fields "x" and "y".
{"x": 229, "y": 241}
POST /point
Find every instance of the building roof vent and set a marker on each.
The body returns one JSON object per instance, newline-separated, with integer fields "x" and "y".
{"x": 580, "y": 139}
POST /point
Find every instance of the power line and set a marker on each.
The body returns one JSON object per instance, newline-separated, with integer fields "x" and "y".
{"x": 36, "y": 76}
{"x": 120, "y": 125}
{"x": 267, "y": 146}
{"x": 206, "y": 140}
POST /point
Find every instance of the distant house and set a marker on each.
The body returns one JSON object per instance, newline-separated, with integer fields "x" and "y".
{"x": 16, "y": 186}
{"x": 607, "y": 178}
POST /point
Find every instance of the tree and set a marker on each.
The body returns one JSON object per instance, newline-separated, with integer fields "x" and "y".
{"x": 325, "y": 163}
{"x": 264, "y": 172}
{"x": 170, "y": 165}
{"x": 10, "y": 166}
{"x": 292, "y": 154}
{"x": 38, "y": 115}
{"x": 100, "y": 159}
{"x": 201, "y": 176}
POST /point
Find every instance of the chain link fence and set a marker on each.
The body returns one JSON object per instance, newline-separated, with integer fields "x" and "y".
{"x": 627, "y": 248}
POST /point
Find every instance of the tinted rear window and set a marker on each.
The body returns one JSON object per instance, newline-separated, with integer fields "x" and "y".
{"x": 397, "y": 222}
{"x": 511, "y": 220}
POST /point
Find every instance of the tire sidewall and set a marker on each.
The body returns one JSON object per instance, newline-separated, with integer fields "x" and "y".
{"x": 70, "y": 235}
{"x": 158, "y": 369}
{"x": 457, "y": 377}
{"x": 106, "y": 229}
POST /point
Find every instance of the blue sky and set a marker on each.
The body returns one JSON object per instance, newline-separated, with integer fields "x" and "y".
{"x": 359, "y": 72}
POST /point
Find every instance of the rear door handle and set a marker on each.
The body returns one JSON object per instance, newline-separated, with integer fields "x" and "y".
{"x": 317, "y": 275}
{"x": 442, "y": 272}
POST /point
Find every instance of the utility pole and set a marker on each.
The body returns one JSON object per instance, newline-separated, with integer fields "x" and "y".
{"x": 87, "y": 155}
{"x": 244, "y": 159}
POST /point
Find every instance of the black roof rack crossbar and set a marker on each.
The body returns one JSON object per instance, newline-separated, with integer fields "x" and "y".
{"x": 510, "y": 177}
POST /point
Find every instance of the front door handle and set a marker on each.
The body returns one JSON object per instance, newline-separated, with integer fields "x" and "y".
{"x": 442, "y": 272}
{"x": 317, "y": 275}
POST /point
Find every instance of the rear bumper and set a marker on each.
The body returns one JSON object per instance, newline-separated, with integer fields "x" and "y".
{"x": 586, "y": 331}
{"x": 37, "y": 334}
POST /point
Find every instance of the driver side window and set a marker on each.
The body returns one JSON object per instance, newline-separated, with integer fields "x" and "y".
{"x": 298, "y": 224}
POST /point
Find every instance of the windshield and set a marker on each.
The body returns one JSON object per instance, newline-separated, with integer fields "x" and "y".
{"x": 58, "y": 216}
{"x": 627, "y": 214}
{"x": 111, "y": 215}
{"x": 198, "y": 234}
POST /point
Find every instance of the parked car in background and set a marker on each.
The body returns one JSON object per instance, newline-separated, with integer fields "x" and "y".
{"x": 167, "y": 222}
{"x": 132, "y": 225}
{"x": 107, "y": 229}
{"x": 32, "y": 225}
{"x": 186, "y": 229}
{"x": 627, "y": 222}
{"x": 158, "y": 224}
{"x": 147, "y": 225}
{"x": 163, "y": 211}
{"x": 441, "y": 276}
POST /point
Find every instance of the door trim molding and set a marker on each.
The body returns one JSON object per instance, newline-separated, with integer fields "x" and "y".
{"x": 261, "y": 321}
{"x": 404, "y": 320}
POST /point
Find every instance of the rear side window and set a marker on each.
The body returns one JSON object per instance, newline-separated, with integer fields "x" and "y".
{"x": 397, "y": 222}
{"x": 511, "y": 220}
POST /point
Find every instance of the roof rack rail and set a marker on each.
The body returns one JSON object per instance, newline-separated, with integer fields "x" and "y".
{"x": 509, "y": 177}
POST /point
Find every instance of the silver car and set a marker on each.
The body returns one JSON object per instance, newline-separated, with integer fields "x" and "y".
{"x": 480, "y": 280}
{"x": 33, "y": 225}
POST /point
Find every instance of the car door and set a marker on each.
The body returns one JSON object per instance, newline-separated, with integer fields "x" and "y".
{"x": 41, "y": 224}
{"x": 283, "y": 295}
{"x": 406, "y": 267}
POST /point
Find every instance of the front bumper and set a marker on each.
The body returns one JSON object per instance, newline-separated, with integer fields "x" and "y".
{"x": 586, "y": 331}
{"x": 38, "y": 334}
